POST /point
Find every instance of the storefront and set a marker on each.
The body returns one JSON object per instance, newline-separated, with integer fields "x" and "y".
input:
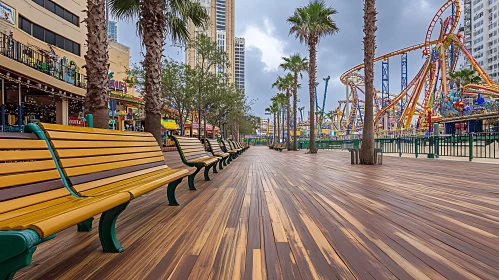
{"x": 24, "y": 101}
{"x": 126, "y": 112}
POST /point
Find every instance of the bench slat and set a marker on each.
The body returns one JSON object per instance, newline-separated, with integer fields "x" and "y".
{"x": 58, "y": 127}
{"x": 68, "y": 153}
{"x": 111, "y": 173}
{"x": 57, "y": 135}
{"x": 27, "y": 178}
{"x": 24, "y": 155}
{"x": 25, "y": 201}
{"x": 12, "y": 144}
{"x": 75, "y": 171}
{"x": 120, "y": 179}
{"x": 12, "y": 193}
{"x": 73, "y": 162}
{"x": 62, "y": 144}
{"x": 29, "y": 166}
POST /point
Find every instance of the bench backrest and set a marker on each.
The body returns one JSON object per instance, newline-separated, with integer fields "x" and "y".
{"x": 190, "y": 148}
{"x": 234, "y": 145}
{"x": 91, "y": 157}
{"x": 214, "y": 146}
{"x": 28, "y": 174}
{"x": 227, "y": 145}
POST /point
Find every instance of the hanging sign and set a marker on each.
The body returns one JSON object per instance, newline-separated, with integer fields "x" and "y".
{"x": 7, "y": 13}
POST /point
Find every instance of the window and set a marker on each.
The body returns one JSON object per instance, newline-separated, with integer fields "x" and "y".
{"x": 49, "y": 5}
{"x": 38, "y": 32}
{"x": 59, "y": 41}
{"x": 25, "y": 25}
{"x": 48, "y": 36}
{"x": 60, "y": 11}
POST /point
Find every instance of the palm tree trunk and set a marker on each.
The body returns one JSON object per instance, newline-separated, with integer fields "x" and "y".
{"x": 97, "y": 64}
{"x": 312, "y": 72}
{"x": 279, "y": 126}
{"x": 367, "y": 149}
{"x": 152, "y": 20}
{"x": 288, "y": 115}
{"x": 273, "y": 126}
{"x": 295, "y": 113}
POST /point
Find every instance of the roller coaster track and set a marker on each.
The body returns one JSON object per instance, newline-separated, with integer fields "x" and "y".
{"x": 438, "y": 15}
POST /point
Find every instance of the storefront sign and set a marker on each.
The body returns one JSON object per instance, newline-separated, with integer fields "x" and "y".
{"x": 118, "y": 86}
{"x": 7, "y": 13}
{"x": 76, "y": 121}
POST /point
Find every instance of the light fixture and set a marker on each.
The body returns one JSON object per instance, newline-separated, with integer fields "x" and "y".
{"x": 8, "y": 74}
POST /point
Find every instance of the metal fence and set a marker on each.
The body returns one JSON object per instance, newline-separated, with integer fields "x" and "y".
{"x": 42, "y": 62}
{"x": 474, "y": 145}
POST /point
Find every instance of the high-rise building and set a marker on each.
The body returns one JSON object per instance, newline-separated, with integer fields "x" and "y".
{"x": 112, "y": 31}
{"x": 220, "y": 29}
{"x": 483, "y": 28}
{"x": 239, "y": 63}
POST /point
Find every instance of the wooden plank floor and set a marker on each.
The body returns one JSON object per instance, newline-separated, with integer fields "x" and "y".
{"x": 289, "y": 215}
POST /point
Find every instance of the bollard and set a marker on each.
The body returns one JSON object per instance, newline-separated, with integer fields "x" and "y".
{"x": 90, "y": 120}
{"x": 378, "y": 156}
{"x": 354, "y": 156}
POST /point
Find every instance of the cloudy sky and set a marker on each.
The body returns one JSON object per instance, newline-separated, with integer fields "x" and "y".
{"x": 401, "y": 23}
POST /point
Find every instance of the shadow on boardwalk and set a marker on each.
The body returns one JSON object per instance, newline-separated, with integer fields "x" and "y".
{"x": 288, "y": 215}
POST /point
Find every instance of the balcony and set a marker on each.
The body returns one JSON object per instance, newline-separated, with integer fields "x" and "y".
{"x": 46, "y": 62}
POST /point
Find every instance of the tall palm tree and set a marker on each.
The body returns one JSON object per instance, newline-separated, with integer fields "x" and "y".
{"x": 285, "y": 84}
{"x": 367, "y": 148}
{"x": 280, "y": 100}
{"x": 158, "y": 19}
{"x": 97, "y": 64}
{"x": 296, "y": 64}
{"x": 274, "y": 110}
{"x": 309, "y": 24}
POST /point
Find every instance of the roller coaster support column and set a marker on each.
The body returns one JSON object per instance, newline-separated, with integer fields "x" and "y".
{"x": 347, "y": 98}
{"x": 385, "y": 87}
{"x": 404, "y": 77}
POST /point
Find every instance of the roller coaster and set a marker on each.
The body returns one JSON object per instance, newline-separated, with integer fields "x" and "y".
{"x": 429, "y": 96}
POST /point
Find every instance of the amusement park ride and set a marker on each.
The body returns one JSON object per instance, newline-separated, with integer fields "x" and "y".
{"x": 430, "y": 96}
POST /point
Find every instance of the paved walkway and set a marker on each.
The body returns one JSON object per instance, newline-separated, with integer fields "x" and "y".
{"x": 289, "y": 215}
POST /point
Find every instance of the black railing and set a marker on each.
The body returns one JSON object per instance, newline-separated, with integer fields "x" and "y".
{"x": 40, "y": 61}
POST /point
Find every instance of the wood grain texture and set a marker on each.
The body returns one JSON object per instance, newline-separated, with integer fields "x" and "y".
{"x": 289, "y": 215}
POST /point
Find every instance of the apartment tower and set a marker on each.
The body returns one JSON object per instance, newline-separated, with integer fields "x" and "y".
{"x": 481, "y": 23}
{"x": 239, "y": 63}
{"x": 220, "y": 29}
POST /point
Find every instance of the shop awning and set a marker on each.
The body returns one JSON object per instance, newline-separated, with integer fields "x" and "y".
{"x": 169, "y": 124}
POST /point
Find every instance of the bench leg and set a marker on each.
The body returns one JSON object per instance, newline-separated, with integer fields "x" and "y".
{"x": 17, "y": 248}
{"x": 207, "y": 171}
{"x": 221, "y": 164}
{"x": 170, "y": 192}
{"x": 215, "y": 168}
{"x": 225, "y": 161}
{"x": 9, "y": 267}
{"x": 190, "y": 178}
{"x": 107, "y": 230}
{"x": 85, "y": 226}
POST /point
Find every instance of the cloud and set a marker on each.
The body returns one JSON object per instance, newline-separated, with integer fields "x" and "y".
{"x": 262, "y": 38}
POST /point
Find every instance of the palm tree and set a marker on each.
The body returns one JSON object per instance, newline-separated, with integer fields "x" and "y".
{"x": 295, "y": 64}
{"x": 280, "y": 100}
{"x": 285, "y": 84}
{"x": 157, "y": 19}
{"x": 309, "y": 24}
{"x": 97, "y": 64}
{"x": 464, "y": 77}
{"x": 367, "y": 148}
{"x": 274, "y": 110}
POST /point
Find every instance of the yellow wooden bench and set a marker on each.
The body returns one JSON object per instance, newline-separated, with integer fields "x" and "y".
{"x": 35, "y": 204}
{"x": 229, "y": 149}
{"x": 217, "y": 151}
{"x": 193, "y": 154}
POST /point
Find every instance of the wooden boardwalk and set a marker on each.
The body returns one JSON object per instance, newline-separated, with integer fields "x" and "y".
{"x": 289, "y": 215}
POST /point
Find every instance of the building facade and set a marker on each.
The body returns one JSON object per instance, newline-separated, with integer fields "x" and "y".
{"x": 42, "y": 48}
{"x": 482, "y": 31}
{"x": 112, "y": 31}
{"x": 220, "y": 29}
{"x": 239, "y": 70}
